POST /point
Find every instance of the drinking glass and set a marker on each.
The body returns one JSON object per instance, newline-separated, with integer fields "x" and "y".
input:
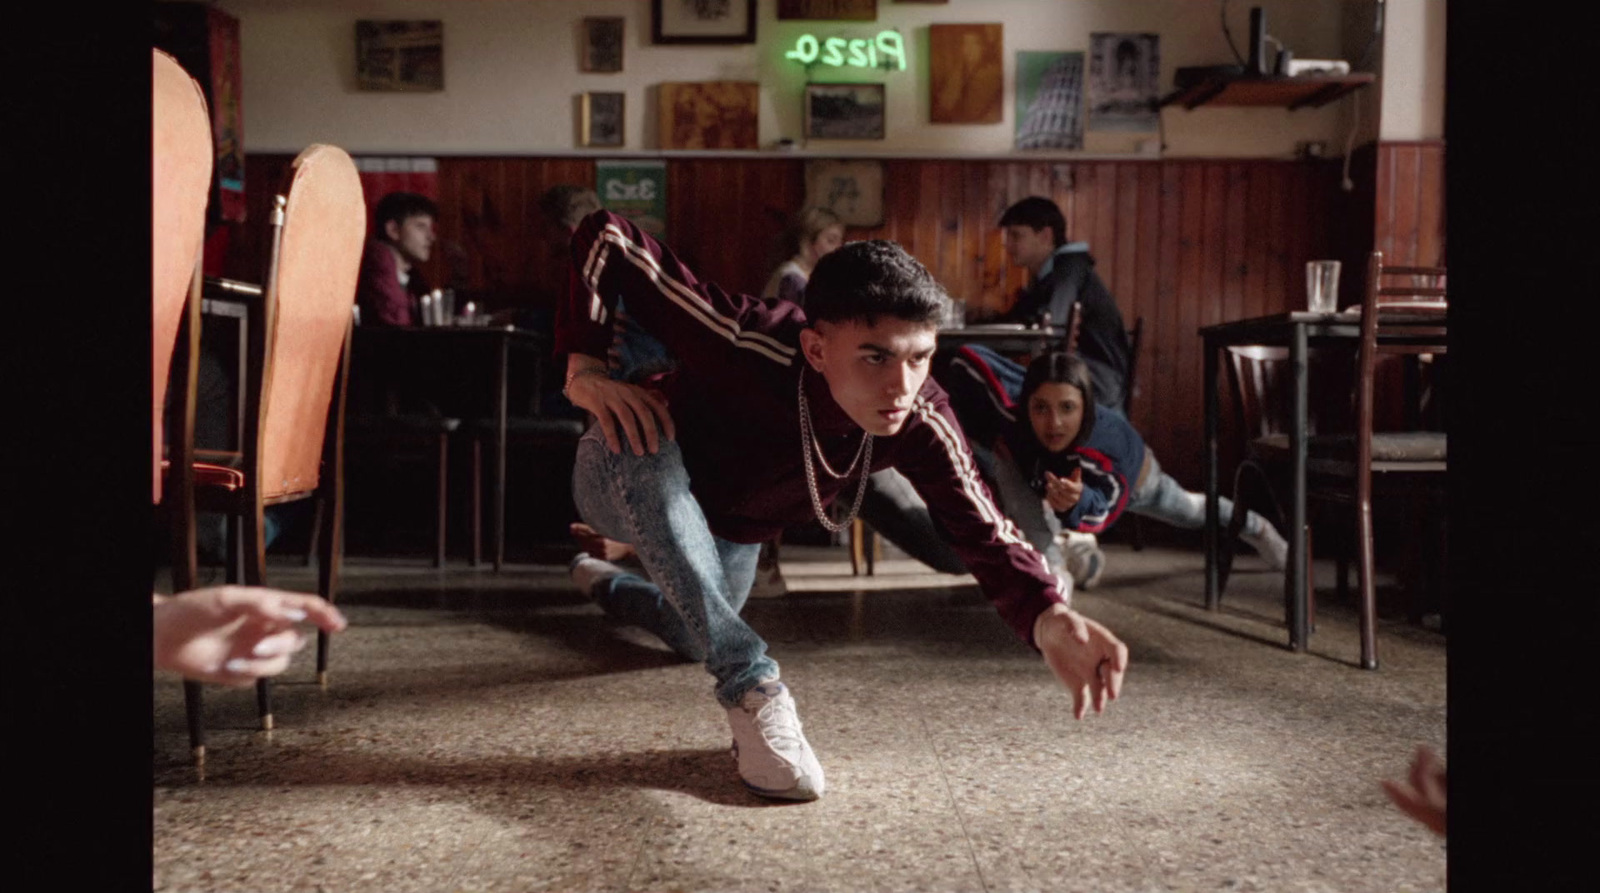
{"x": 956, "y": 314}
{"x": 1322, "y": 286}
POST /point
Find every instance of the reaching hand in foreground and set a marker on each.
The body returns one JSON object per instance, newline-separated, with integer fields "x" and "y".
{"x": 1422, "y": 796}
{"x": 1084, "y": 655}
{"x": 233, "y": 635}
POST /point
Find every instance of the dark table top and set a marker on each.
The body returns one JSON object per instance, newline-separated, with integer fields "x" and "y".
{"x": 1345, "y": 323}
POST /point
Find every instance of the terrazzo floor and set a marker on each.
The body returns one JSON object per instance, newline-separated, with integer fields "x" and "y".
{"x": 493, "y": 732}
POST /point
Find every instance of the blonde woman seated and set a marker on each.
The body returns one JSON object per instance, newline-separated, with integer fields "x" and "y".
{"x": 810, "y": 236}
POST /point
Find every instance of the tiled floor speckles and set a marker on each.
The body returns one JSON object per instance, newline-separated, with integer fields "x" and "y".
{"x": 494, "y": 733}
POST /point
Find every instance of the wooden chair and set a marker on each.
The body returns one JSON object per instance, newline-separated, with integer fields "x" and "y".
{"x": 1130, "y": 389}
{"x": 182, "y": 156}
{"x": 381, "y": 417}
{"x": 1259, "y": 376}
{"x": 294, "y": 391}
{"x": 1403, "y": 314}
{"x": 1345, "y": 454}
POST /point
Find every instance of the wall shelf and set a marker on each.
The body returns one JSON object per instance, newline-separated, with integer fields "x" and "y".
{"x": 1285, "y": 92}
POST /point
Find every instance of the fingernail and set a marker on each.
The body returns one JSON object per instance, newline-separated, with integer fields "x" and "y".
{"x": 237, "y": 665}
{"x": 266, "y": 648}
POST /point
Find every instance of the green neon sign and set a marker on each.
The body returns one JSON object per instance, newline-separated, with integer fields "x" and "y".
{"x": 886, "y": 50}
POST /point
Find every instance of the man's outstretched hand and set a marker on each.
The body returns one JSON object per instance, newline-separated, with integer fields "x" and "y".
{"x": 1084, "y": 655}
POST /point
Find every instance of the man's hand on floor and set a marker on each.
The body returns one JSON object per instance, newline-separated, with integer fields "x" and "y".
{"x": 1087, "y": 658}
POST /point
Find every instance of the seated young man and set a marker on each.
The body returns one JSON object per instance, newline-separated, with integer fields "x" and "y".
{"x": 402, "y": 238}
{"x": 1061, "y": 274}
{"x": 774, "y": 412}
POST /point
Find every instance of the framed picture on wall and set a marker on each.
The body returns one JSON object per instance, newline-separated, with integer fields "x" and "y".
{"x": 966, "y": 74}
{"x": 601, "y": 119}
{"x": 851, "y": 189}
{"x": 405, "y": 56}
{"x": 844, "y": 111}
{"x": 702, "y": 21}
{"x": 602, "y": 44}
{"x": 709, "y": 114}
{"x": 832, "y": 10}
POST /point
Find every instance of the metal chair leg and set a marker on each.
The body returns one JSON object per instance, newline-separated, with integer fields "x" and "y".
{"x": 444, "y": 497}
{"x": 1369, "y": 595}
{"x": 194, "y": 712}
{"x": 857, "y": 546}
{"x": 330, "y": 558}
{"x": 1311, "y": 585}
{"x": 477, "y": 502}
{"x": 264, "y": 702}
{"x": 316, "y": 532}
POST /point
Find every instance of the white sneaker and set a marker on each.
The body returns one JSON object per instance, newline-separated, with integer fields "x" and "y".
{"x": 774, "y": 758}
{"x": 1270, "y": 545}
{"x": 769, "y": 584}
{"x": 1085, "y": 564}
{"x": 589, "y": 572}
{"x": 1083, "y": 558}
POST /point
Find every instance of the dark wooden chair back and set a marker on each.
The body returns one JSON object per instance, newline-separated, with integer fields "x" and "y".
{"x": 1073, "y": 323}
{"x": 1135, "y": 337}
{"x": 1403, "y": 314}
{"x": 181, "y": 160}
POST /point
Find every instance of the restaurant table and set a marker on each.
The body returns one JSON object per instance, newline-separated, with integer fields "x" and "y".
{"x": 1009, "y": 339}
{"x": 1299, "y": 331}
{"x": 461, "y": 350}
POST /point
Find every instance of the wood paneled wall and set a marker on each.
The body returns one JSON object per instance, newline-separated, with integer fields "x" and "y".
{"x": 1409, "y": 211}
{"x": 1181, "y": 243}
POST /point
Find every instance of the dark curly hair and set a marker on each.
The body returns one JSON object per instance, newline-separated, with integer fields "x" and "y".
{"x": 866, "y": 280}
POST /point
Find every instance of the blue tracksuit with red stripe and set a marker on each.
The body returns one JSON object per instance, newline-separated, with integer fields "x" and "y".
{"x": 984, "y": 387}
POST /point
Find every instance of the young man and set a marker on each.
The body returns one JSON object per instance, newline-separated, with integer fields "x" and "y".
{"x": 1063, "y": 274}
{"x": 773, "y": 413}
{"x": 403, "y": 237}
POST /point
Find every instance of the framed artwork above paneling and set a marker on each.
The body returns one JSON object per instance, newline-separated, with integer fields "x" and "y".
{"x": 966, "y": 74}
{"x": 602, "y": 44}
{"x": 702, "y": 21}
{"x": 851, "y": 189}
{"x": 829, "y": 10}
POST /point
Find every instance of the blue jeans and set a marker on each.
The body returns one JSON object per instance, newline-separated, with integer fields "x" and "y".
{"x": 895, "y": 510}
{"x": 1164, "y": 499}
{"x": 700, "y": 580}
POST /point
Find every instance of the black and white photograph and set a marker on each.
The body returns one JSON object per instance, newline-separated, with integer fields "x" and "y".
{"x": 602, "y": 44}
{"x": 844, "y": 111}
{"x": 1124, "y": 77}
{"x": 702, "y": 21}
{"x": 1049, "y": 100}
{"x": 852, "y": 189}
{"x": 400, "y": 55}
{"x": 602, "y": 119}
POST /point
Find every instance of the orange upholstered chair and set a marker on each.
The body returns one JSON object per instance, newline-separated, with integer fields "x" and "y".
{"x": 299, "y": 335}
{"x": 180, "y": 180}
